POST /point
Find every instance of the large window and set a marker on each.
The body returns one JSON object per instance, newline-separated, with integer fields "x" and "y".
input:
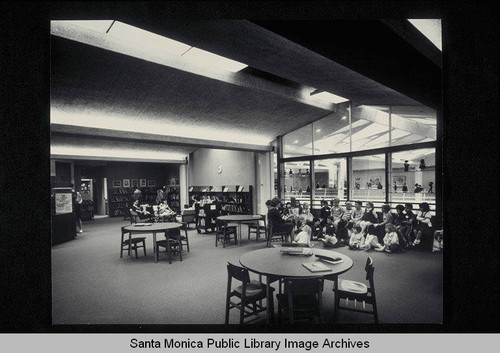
{"x": 297, "y": 181}
{"x": 330, "y": 180}
{"x": 368, "y": 178}
{"x": 370, "y": 127}
{"x": 298, "y": 142}
{"x": 331, "y": 134}
{"x": 413, "y": 176}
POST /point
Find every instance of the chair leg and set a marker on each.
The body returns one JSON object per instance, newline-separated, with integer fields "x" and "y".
{"x": 227, "y": 312}
{"x": 242, "y": 311}
{"x": 375, "y": 312}
{"x": 135, "y": 249}
{"x": 157, "y": 249}
{"x": 144, "y": 246}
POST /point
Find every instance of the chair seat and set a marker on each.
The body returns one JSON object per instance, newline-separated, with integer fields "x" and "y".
{"x": 353, "y": 287}
{"x": 134, "y": 240}
{"x": 253, "y": 288}
{"x": 163, "y": 242}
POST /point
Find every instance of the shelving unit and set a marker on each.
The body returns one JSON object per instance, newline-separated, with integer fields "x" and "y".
{"x": 234, "y": 199}
{"x": 173, "y": 197}
{"x": 121, "y": 199}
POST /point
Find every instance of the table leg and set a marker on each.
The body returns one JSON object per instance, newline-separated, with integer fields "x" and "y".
{"x": 269, "y": 295}
{"x": 336, "y": 301}
{"x": 239, "y": 231}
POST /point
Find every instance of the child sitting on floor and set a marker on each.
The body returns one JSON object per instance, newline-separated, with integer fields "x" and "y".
{"x": 356, "y": 240}
{"x": 391, "y": 240}
{"x": 371, "y": 240}
{"x": 330, "y": 239}
{"x": 304, "y": 236}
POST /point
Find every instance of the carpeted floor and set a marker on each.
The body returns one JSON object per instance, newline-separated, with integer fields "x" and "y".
{"x": 91, "y": 284}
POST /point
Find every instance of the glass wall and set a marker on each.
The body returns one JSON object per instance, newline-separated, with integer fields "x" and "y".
{"x": 298, "y": 142}
{"x": 331, "y": 134}
{"x": 410, "y": 124}
{"x": 413, "y": 176}
{"x": 330, "y": 180}
{"x": 297, "y": 181}
{"x": 368, "y": 178}
{"x": 370, "y": 127}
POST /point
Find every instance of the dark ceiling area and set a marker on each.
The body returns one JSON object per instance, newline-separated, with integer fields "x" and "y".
{"x": 372, "y": 49}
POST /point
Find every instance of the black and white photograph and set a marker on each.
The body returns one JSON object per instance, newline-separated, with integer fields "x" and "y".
{"x": 259, "y": 173}
{"x": 254, "y": 99}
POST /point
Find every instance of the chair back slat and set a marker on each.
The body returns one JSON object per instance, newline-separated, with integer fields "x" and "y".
{"x": 238, "y": 273}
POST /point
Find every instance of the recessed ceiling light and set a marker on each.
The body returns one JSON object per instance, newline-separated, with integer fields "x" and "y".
{"x": 344, "y": 117}
{"x": 296, "y": 141}
{"x": 318, "y": 130}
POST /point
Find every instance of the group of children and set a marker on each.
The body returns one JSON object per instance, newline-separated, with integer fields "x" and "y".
{"x": 363, "y": 230}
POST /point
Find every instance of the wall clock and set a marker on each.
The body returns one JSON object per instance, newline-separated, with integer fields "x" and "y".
{"x": 219, "y": 169}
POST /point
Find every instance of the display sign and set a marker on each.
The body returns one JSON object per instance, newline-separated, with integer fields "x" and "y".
{"x": 63, "y": 203}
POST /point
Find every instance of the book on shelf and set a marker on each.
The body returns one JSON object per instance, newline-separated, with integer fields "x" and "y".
{"x": 316, "y": 267}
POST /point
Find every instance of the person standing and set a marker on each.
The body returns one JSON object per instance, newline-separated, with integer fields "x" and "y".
{"x": 77, "y": 208}
{"x": 395, "y": 188}
{"x": 405, "y": 188}
{"x": 430, "y": 187}
{"x": 159, "y": 196}
{"x": 138, "y": 194}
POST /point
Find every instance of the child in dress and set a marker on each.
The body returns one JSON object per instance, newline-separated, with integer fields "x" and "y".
{"x": 371, "y": 240}
{"x": 356, "y": 240}
{"x": 329, "y": 238}
{"x": 337, "y": 213}
{"x": 391, "y": 240}
{"x": 423, "y": 222}
{"x": 370, "y": 217}
{"x": 357, "y": 213}
{"x": 304, "y": 236}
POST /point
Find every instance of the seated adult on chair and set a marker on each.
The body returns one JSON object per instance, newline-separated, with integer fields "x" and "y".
{"x": 275, "y": 220}
{"x": 141, "y": 211}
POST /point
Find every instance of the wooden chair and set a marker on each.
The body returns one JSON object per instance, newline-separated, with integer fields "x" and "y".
{"x": 275, "y": 236}
{"x": 131, "y": 243}
{"x": 357, "y": 292}
{"x": 258, "y": 227}
{"x": 225, "y": 232}
{"x": 249, "y": 295}
{"x": 172, "y": 244}
{"x": 301, "y": 299}
{"x": 188, "y": 216}
{"x": 184, "y": 237}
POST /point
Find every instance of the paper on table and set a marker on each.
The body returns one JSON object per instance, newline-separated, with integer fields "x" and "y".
{"x": 316, "y": 267}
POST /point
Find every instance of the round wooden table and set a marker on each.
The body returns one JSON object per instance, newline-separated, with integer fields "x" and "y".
{"x": 151, "y": 228}
{"x": 274, "y": 264}
{"x": 238, "y": 218}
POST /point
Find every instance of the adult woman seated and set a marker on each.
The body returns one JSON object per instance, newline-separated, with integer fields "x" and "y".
{"x": 164, "y": 211}
{"x": 275, "y": 220}
{"x": 141, "y": 210}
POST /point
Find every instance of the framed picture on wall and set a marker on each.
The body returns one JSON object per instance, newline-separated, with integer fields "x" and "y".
{"x": 399, "y": 180}
{"x": 126, "y": 183}
{"x": 142, "y": 183}
{"x": 117, "y": 183}
{"x": 151, "y": 183}
{"x": 135, "y": 182}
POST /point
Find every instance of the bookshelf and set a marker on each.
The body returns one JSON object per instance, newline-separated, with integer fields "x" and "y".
{"x": 120, "y": 200}
{"x": 234, "y": 199}
{"x": 173, "y": 197}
